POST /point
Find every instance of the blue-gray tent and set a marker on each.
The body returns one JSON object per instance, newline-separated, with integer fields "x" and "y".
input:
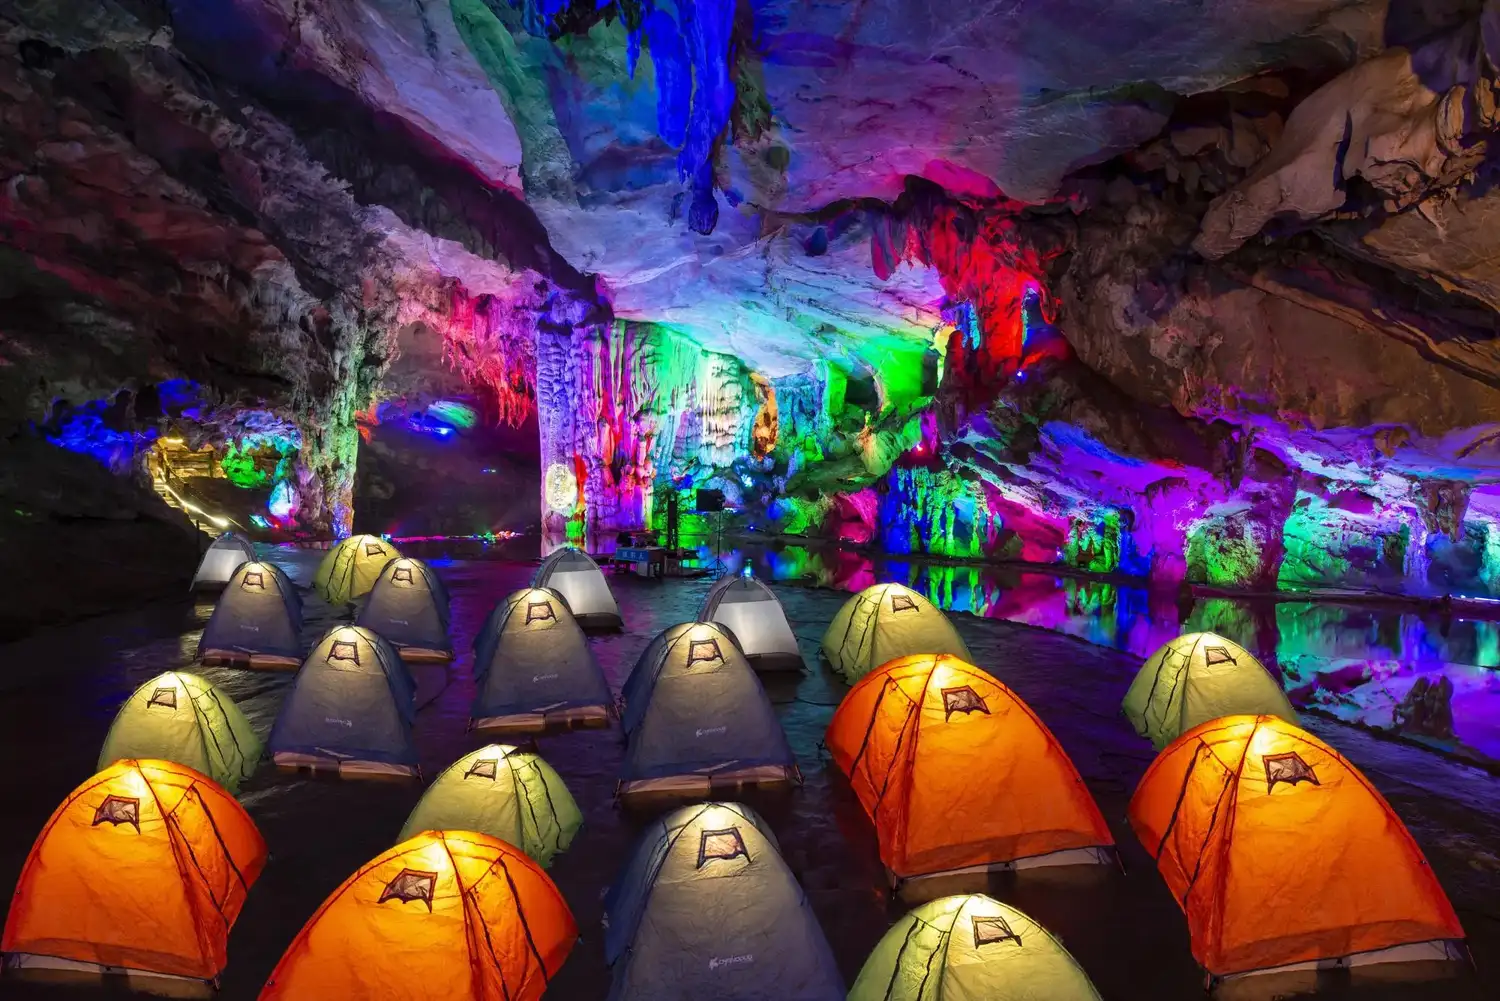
{"x": 257, "y": 621}
{"x": 533, "y": 668}
{"x": 707, "y": 908}
{"x": 696, "y": 718}
{"x": 349, "y": 710}
{"x": 408, "y": 606}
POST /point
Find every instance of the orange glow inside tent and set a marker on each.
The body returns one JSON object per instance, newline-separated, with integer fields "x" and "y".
{"x": 452, "y": 915}
{"x": 1280, "y": 852}
{"x": 144, "y": 867}
{"x": 957, "y": 772}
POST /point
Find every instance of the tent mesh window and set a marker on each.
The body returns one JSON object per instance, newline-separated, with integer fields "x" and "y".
{"x": 1288, "y": 768}
{"x": 902, "y": 603}
{"x": 402, "y": 575}
{"x": 539, "y": 611}
{"x": 117, "y": 810}
{"x": 410, "y": 885}
{"x": 988, "y": 931}
{"x": 374, "y": 549}
{"x": 703, "y": 650}
{"x": 344, "y": 650}
{"x": 1214, "y": 655}
{"x": 255, "y": 579}
{"x": 725, "y": 844}
{"x": 484, "y": 768}
{"x": 962, "y": 700}
{"x": 164, "y": 697}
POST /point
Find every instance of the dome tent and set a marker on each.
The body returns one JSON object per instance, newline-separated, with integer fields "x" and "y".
{"x": 181, "y": 717}
{"x": 408, "y": 606}
{"x": 752, "y": 614}
{"x": 574, "y": 575}
{"x": 140, "y": 874}
{"x": 696, "y": 718}
{"x": 1196, "y": 678}
{"x": 257, "y": 621}
{"x": 707, "y": 908}
{"x": 351, "y": 568}
{"x": 446, "y": 914}
{"x": 1283, "y": 856}
{"x": 970, "y": 947}
{"x": 349, "y": 709}
{"x": 932, "y": 744}
{"x": 884, "y": 622}
{"x": 506, "y": 793}
{"x": 533, "y": 668}
{"x": 221, "y": 560}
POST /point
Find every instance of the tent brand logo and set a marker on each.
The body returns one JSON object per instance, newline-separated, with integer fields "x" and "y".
{"x": 703, "y": 650}
{"x": 1288, "y": 768}
{"x": 339, "y": 722}
{"x": 401, "y": 622}
{"x": 988, "y": 931}
{"x": 410, "y": 885}
{"x": 117, "y": 810}
{"x": 402, "y": 575}
{"x": 484, "y": 768}
{"x": 543, "y": 677}
{"x": 1213, "y": 655}
{"x": 962, "y": 700}
{"x": 249, "y": 628}
{"x": 253, "y": 578}
{"x": 902, "y": 603}
{"x": 539, "y": 611}
{"x": 719, "y": 962}
{"x": 709, "y": 731}
{"x": 164, "y": 697}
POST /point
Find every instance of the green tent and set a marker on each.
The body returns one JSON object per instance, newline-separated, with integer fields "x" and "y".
{"x": 970, "y": 947}
{"x": 351, "y": 568}
{"x": 506, "y": 793}
{"x": 1196, "y": 678}
{"x": 181, "y": 717}
{"x": 884, "y": 622}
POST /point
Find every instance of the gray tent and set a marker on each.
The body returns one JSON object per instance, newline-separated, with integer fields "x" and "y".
{"x": 696, "y": 718}
{"x": 533, "y": 668}
{"x": 349, "y": 710}
{"x": 257, "y": 621}
{"x": 707, "y": 908}
{"x": 220, "y": 562}
{"x": 408, "y": 606}
{"x": 575, "y": 576}
{"x": 752, "y": 613}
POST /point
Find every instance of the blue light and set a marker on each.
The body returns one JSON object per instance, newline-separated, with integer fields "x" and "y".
{"x": 747, "y": 572}
{"x": 747, "y": 481}
{"x": 259, "y": 522}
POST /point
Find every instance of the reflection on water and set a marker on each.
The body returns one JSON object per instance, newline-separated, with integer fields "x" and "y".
{"x": 1356, "y": 663}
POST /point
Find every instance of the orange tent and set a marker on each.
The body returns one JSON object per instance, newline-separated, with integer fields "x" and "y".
{"x": 1280, "y": 852}
{"x": 958, "y": 773}
{"x": 142, "y": 870}
{"x": 446, "y": 914}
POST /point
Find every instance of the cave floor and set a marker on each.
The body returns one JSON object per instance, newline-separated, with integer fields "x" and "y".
{"x": 59, "y": 691}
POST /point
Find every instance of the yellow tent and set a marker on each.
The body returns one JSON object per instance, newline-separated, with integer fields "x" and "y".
{"x": 884, "y": 622}
{"x": 351, "y": 568}
{"x": 1196, "y": 678}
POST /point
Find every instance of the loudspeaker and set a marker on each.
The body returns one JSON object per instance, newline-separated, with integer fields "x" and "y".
{"x": 710, "y": 501}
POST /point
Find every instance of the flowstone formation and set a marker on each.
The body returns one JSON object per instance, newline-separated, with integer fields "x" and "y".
{"x": 1188, "y": 290}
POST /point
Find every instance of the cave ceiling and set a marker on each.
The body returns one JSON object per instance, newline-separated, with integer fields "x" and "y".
{"x": 1274, "y": 217}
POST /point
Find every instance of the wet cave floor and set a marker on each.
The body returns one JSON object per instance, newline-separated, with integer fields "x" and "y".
{"x": 59, "y": 691}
